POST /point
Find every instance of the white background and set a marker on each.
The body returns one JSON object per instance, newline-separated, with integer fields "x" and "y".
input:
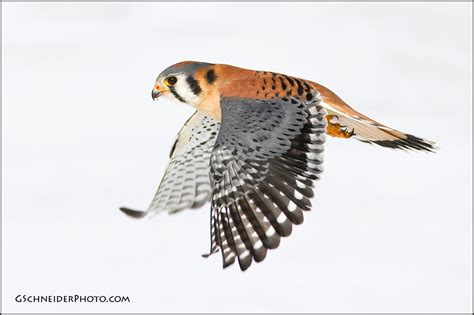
{"x": 390, "y": 230}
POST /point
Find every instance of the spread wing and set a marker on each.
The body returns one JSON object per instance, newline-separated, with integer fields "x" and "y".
{"x": 266, "y": 157}
{"x": 186, "y": 182}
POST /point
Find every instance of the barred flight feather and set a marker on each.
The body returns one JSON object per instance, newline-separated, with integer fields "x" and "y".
{"x": 262, "y": 174}
{"x": 186, "y": 182}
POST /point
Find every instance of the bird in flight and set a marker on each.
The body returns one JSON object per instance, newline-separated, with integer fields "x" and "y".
{"x": 254, "y": 148}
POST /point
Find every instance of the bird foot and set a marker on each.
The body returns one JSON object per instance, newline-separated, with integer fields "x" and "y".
{"x": 335, "y": 129}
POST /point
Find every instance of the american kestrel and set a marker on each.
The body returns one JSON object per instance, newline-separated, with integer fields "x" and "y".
{"x": 254, "y": 148}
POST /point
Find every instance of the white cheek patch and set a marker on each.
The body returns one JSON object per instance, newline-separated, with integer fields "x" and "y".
{"x": 183, "y": 89}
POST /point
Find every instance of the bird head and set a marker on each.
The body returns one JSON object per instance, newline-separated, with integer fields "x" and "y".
{"x": 178, "y": 83}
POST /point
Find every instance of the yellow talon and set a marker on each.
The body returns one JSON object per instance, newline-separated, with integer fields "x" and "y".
{"x": 336, "y": 129}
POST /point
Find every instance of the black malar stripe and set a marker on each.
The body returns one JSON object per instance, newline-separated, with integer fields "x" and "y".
{"x": 173, "y": 91}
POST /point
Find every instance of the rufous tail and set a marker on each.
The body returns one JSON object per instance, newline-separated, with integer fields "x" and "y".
{"x": 345, "y": 122}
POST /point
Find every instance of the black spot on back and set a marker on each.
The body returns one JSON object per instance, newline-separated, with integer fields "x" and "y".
{"x": 300, "y": 87}
{"x": 290, "y": 80}
{"x": 307, "y": 88}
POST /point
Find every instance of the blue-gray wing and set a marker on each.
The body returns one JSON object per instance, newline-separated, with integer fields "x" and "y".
{"x": 186, "y": 183}
{"x": 264, "y": 162}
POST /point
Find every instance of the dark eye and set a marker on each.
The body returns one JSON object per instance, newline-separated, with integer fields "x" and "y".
{"x": 171, "y": 80}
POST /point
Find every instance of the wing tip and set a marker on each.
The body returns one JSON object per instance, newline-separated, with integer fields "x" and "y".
{"x": 137, "y": 214}
{"x": 207, "y": 255}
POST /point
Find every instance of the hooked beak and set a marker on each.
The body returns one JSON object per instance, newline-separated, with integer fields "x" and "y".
{"x": 156, "y": 92}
